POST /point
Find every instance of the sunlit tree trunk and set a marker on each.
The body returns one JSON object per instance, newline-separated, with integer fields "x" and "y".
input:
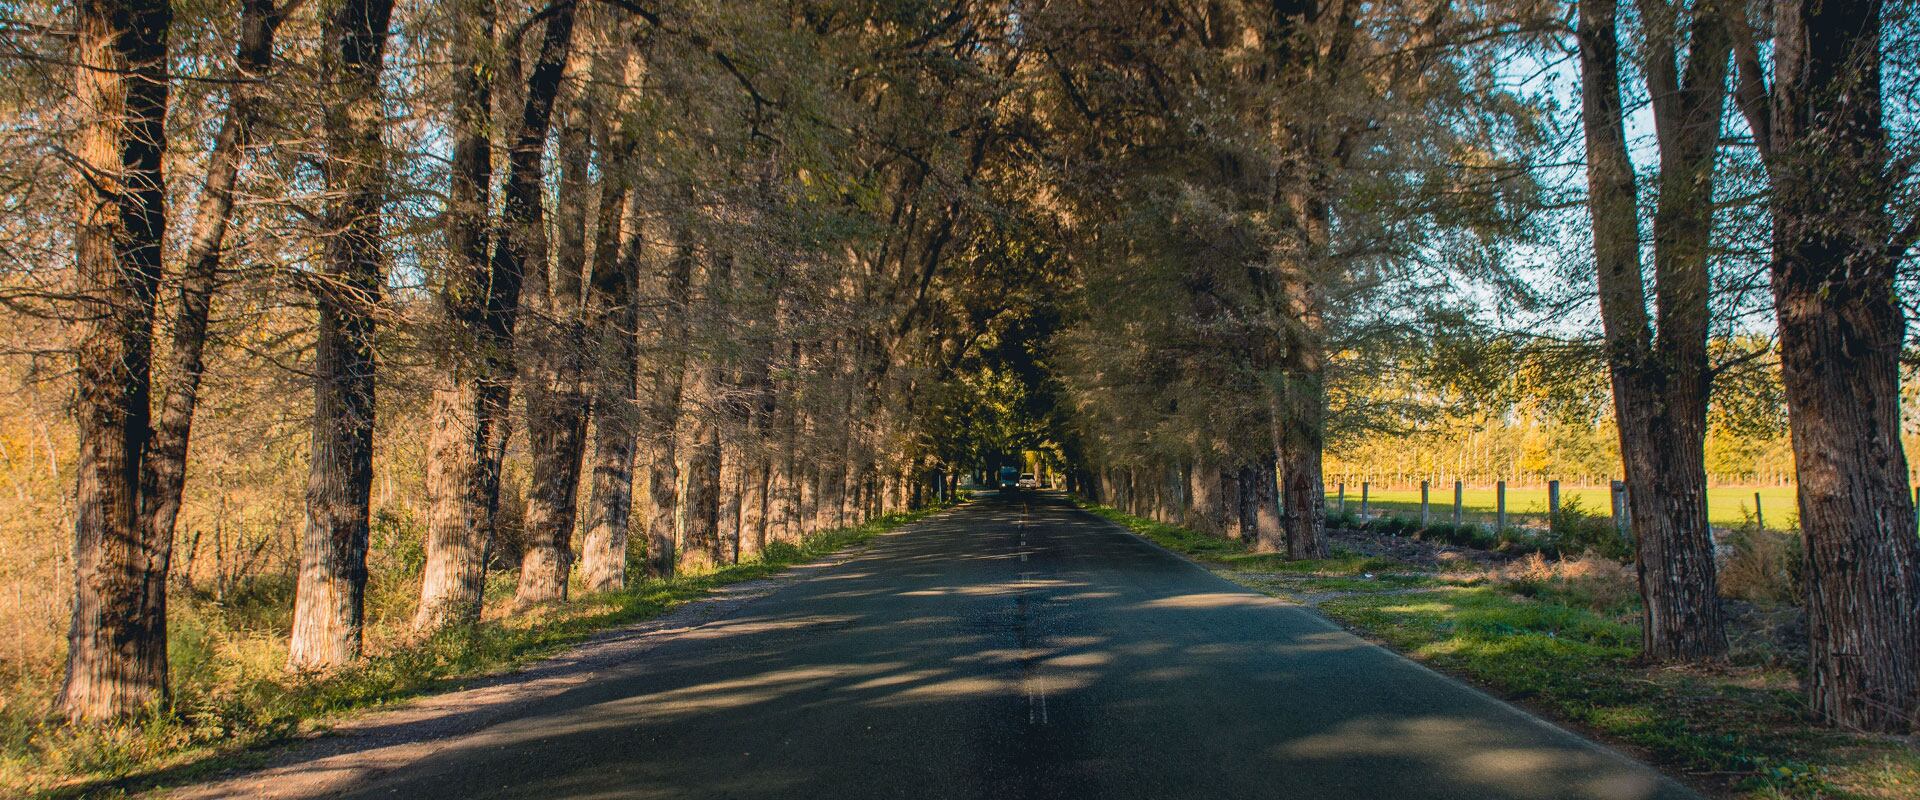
{"x": 117, "y": 640}
{"x": 554, "y": 340}
{"x": 616, "y": 271}
{"x": 1835, "y": 259}
{"x": 457, "y": 512}
{"x": 329, "y": 598}
{"x": 1660, "y": 384}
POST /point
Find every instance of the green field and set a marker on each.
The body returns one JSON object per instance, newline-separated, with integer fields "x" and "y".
{"x": 1727, "y": 505}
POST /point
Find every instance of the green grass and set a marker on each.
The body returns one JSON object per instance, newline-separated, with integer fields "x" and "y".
{"x": 1566, "y": 643}
{"x": 1729, "y": 506}
{"x": 232, "y": 700}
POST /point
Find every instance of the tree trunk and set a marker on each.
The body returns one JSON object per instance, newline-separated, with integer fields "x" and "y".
{"x": 704, "y": 548}
{"x": 731, "y": 487}
{"x": 1203, "y": 496}
{"x": 1269, "y": 534}
{"x": 458, "y": 514}
{"x": 666, "y": 381}
{"x": 117, "y": 641}
{"x": 471, "y": 422}
{"x": 1300, "y": 413}
{"x": 1835, "y": 259}
{"x": 164, "y": 471}
{"x": 1660, "y": 387}
{"x": 616, "y": 369}
{"x": 555, "y": 400}
{"x": 328, "y": 601}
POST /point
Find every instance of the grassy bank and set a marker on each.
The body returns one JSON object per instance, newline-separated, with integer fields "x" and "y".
{"x": 232, "y": 699}
{"x": 1728, "y": 506}
{"x": 1563, "y": 638}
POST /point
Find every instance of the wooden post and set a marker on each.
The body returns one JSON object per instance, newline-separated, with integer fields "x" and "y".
{"x": 1553, "y": 505}
{"x": 1363, "y": 501}
{"x": 1343, "y": 498}
{"x": 1620, "y": 521}
{"x": 1458, "y": 492}
{"x": 1423, "y": 504}
{"x": 1500, "y": 507}
{"x": 1759, "y": 518}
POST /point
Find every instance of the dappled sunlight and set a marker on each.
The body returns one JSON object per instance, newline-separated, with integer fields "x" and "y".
{"x": 924, "y": 666}
{"x": 1211, "y": 600}
{"x": 1473, "y": 752}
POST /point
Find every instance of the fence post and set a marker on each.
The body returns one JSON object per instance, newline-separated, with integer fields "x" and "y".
{"x": 1553, "y": 505}
{"x": 1423, "y": 504}
{"x": 1620, "y": 521}
{"x": 1500, "y": 507}
{"x": 1759, "y": 518}
{"x": 1458, "y": 491}
{"x": 1343, "y": 498}
{"x": 1363, "y": 501}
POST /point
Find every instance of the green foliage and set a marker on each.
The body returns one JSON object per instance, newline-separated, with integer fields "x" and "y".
{"x": 1465, "y": 534}
{"x": 1576, "y": 530}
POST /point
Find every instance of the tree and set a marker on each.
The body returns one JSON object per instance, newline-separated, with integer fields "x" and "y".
{"x": 1660, "y": 382}
{"x": 117, "y": 643}
{"x": 329, "y": 601}
{"x": 464, "y": 520}
{"x": 460, "y": 506}
{"x": 553, "y": 339}
{"x": 1819, "y": 122}
{"x": 613, "y": 302}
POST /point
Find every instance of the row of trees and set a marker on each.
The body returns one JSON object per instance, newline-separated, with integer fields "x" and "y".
{"x": 808, "y": 261}
{"x": 1309, "y": 190}
{"x": 702, "y": 239}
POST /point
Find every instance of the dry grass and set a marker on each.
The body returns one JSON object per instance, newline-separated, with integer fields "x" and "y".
{"x": 1761, "y": 567}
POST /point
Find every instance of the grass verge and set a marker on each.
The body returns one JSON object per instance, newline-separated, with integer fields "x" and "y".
{"x": 233, "y": 702}
{"x": 1563, "y": 639}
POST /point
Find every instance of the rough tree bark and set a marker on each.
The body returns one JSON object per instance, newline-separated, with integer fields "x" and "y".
{"x": 1822, "y": 131}
{"x": 554, "y": 339}
{"x": 117, "y": 640}
{"x": 328, "y": 601}
{"x": 462, "y": 520}
{"x": 1306, "y": 50}
{"x": 1660, "y": 383}
{"x": 1300, "y": 414}
{"x": 612, "y": 302}
{"x": 665, "y": 383}
{"x": 457, "y": 513}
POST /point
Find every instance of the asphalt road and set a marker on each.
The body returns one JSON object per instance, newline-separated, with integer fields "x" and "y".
{"x": 1019, "y": 648}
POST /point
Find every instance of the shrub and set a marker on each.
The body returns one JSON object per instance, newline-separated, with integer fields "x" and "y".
{"x": 1577, "y": 530}
{"x": 1343, "y": 519}
{"x": 1522, "y": 541}
{"x": 1398, "y": 526}
{"x": 1465, "y": 534}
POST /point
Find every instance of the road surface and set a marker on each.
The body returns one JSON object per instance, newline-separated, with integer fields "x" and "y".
{"x": 1014, "y": 648}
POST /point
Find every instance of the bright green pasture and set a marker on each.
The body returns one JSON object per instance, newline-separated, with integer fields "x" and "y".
{"x": 1726, "y": 505}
